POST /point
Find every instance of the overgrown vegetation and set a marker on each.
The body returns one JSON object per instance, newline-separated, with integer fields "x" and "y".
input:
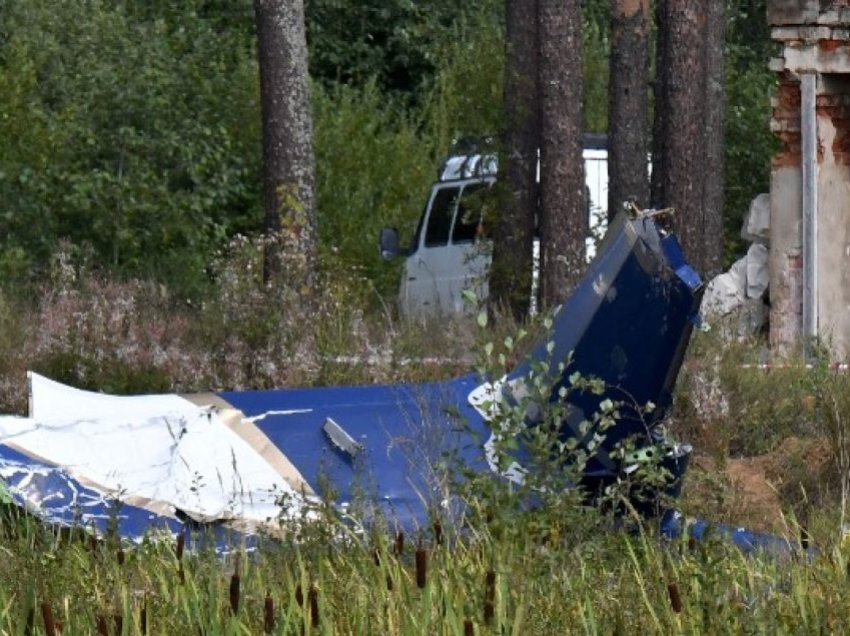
{"x": 559, "y": 567}
{"x": 131, "y": 129}
{"x": 131, "y": 262}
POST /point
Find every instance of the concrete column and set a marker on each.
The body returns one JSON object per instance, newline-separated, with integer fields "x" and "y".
{"x": 809, "y": 160}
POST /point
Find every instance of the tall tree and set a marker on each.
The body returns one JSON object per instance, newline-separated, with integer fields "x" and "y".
{"x": 714, "y": 136}
{"x": 510, "y": 276}
{"x": 289, "y": 165}
{"x": 687, "y": 158}
{"x": 657, "y": 196}
{"x": 628, "y": 144}
{"x": 563, "y": 214}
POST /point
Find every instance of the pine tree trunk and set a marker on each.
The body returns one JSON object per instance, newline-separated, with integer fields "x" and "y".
{"x": 510, "y": 276}
{"x": 289, "y": 164}
{"x": 714, "y": 137}
{"x": 657, "y": 195}
{"x": 628, "y": 147}
{"x": 684, "y": 174}
{"x": 563, "y": 215}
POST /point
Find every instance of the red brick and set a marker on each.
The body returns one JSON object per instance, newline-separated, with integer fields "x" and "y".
{"x": 828, "y": 46}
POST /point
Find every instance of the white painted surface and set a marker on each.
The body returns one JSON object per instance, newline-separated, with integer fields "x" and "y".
{"x": 159, "y": 448}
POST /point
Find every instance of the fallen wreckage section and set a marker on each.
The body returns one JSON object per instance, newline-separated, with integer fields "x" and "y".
{"x": 251, "y": 460}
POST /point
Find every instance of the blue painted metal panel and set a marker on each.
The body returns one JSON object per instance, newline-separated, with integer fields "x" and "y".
{"x": 627, "y": 323}
{"x": 50, "y": 493}
{"x": 406, "y": 431}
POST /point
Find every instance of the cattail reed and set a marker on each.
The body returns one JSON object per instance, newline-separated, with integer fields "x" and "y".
{"x": 399, "y": 543}
{"x": 299, "y": 596}
{"x": 438, "y": 532}
{"x": 143, "y": 616}
{"x": 178, "y": 553}
{"x": 489, "y": 596}
{"x": 830, "y": 619}
{"x": 47, "y": 616}
{"x": 421, "y": 566}
{"x": 805, "y": 537}
{"x": 268, "y": 614}
{"x": 234, "y": 592}
{"x": 468, "y": 628}
{"x": 313, "y": 598}
{"x": 675, "y": 597}
{"x": 118, "y": 619}
{"x": 101, "y": 627}
{"x": 181, "y": 544}
{"x": 119, "y": 556}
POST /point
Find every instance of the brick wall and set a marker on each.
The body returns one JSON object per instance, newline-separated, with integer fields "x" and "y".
{"x": 837, "y": 109}
{"x": 785, "y": 122}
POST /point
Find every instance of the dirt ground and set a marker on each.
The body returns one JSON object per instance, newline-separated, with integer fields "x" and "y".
{"x": 758, "y": 492}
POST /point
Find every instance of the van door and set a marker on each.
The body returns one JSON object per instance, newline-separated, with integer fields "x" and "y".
{"x": 449, "y": 257}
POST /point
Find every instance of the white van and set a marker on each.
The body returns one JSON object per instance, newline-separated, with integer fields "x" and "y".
{"x": 449, "y": 252}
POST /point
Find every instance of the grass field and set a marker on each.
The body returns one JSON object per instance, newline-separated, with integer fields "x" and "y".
{"x": 772, "y": 452}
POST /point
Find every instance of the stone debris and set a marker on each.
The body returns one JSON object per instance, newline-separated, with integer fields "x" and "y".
{"x": 758, "y": 275}
{"x": 756, "y": 228}
{"x": 738, "y": 296}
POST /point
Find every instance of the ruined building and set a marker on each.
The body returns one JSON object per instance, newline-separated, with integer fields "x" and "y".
{"x": 810, "y": 176}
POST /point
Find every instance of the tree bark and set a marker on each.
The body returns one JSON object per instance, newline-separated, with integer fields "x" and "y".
{"x": 714, "y": 136}
{"x": 687, "y": 171}
{"x": 510, "y": 275}
{"x": 289, "y": 164}
{"x": 563, "y": 217}
{"x": 628, "y": 144}
{"x": 657, "y": 196}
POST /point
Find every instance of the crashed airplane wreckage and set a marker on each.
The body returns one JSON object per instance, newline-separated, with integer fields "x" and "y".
{"x": 253, "y": 459}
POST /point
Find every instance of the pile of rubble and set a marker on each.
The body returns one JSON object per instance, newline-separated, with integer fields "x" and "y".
{"x": 739, "y": 297}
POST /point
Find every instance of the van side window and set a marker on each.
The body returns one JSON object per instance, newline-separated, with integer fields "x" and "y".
{"x": 440, "y": 218}
{"x": 469, "y": 213}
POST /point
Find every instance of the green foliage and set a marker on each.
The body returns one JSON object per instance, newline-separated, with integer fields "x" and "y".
{"x": 374, "y": 169}
{"x": 741, "y": 408}
{"x": 749, "y": 142}
{"x": 133, "y": 127}
{"x": 137, "y": 136}
{"x": 465, "y": 97}
{"x": 595, "y": 60}
{"x": 396, "y": 44}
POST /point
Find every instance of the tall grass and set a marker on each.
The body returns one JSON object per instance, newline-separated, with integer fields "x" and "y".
{"x": 603, "y": 584}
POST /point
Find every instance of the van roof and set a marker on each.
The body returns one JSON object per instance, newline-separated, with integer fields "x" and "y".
{"x": 473, "y": 160}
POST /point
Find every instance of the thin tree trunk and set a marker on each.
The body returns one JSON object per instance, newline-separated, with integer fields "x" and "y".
{"x": 657, "y": 196}
{"x": 714, "y": 135}
{"x": 289, "y": 165}
{"x": 510, "y": 276}
{"x": 563, "y": 218}
{"x": 628, "y": 148}
{"x": 683, "y": 168}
